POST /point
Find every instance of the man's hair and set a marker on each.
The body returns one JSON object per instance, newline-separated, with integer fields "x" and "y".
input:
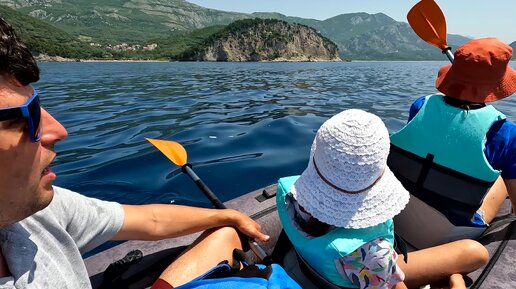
{"x": 15, "y": 58}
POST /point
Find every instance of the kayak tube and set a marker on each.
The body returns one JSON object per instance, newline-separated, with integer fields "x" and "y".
{"x": 147, "y": 259}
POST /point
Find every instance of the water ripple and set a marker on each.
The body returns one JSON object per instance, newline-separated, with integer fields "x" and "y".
{"x": 244, "y": 125}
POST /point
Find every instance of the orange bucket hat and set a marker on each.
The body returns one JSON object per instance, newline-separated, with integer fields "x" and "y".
{"x": 480, "y": 72}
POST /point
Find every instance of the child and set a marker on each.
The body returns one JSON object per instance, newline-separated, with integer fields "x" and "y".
{"x": 466, "y": 146}
{"x": 338, "y": 213}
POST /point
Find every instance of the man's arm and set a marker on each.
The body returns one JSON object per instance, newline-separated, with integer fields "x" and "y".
{"x": 156, "y": 222}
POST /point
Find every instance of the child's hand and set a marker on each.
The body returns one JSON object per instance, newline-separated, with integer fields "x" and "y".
{"x": 457, "y": 281}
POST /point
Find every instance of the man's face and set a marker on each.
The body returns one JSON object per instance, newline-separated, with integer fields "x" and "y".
{"x": 25, "y": 176}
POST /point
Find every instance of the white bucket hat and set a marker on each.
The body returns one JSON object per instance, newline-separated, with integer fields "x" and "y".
{"x": 347, "y": 182}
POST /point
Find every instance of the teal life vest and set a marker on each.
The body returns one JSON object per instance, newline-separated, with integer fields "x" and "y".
{"x": 439, "y": 157}
{"x": 321, "y": 252}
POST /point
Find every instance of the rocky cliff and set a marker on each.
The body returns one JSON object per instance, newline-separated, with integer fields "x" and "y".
{"x": 264, "y": 40}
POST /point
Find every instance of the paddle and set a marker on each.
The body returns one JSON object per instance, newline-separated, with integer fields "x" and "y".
{"x": 176, "y": 153}
{"x": 427, "y": 20}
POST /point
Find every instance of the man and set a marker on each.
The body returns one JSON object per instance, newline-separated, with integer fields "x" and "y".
{"x": 44, "y": 229}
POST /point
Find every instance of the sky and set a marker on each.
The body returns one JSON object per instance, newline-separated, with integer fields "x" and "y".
{"x": 471, "y": 18}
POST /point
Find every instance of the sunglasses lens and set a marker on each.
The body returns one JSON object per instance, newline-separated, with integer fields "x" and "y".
{"x": 35, "y": 119}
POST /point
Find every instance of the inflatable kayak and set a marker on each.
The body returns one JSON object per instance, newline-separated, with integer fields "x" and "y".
{"x": 145, "y": 260}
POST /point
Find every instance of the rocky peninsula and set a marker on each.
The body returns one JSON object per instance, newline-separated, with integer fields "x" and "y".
{"x": 264, "y": 40}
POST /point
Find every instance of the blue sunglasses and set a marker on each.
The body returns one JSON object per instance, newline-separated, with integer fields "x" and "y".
{"x": 30, "y": 111}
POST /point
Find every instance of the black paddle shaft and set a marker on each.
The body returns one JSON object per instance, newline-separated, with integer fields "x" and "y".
{"x": 448, "y": 52}
{"x": 219, "y": 205}
{"x": 204, "y": 188}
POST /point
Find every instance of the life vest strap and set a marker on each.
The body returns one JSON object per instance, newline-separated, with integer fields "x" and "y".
{"x": 456, "y": 195}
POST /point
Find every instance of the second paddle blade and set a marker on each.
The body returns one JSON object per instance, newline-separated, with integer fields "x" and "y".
{"x": 427, "y": 20}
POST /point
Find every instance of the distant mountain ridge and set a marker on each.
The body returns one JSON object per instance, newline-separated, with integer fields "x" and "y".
{"x": 123, "y": 21}
{"x": 358, "y": 35}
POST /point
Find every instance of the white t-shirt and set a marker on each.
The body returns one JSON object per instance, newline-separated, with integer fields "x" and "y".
{"x": 44, "y": 250}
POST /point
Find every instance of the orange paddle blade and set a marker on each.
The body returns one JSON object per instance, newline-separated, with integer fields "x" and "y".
{"x": 427, "y": 20}
{"x": 174, "y": 151}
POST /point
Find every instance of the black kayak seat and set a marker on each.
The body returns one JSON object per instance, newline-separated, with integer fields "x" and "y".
{"x": 409, "y": 224}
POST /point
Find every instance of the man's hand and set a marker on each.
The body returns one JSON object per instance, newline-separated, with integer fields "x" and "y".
{"x": 248, "y": 226}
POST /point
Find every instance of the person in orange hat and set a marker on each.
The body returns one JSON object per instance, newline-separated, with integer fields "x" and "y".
{"x": 457, "y": 154}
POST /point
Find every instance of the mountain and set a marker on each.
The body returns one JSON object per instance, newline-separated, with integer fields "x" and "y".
{"x": 115, "y": 21}
{"x": 455, "y": 40}
{"x": 42, "y": 37}
{"x": 513, "y": 45}
{"x": 111, "y": 22}
{"x": 264, "y": 40}
{"x": 377, "y": 36}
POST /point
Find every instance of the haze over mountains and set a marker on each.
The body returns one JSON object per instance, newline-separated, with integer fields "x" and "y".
{"x": 140, "y": 22}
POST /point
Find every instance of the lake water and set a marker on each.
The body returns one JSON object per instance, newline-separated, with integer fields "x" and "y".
{"x": 244, "y": 125}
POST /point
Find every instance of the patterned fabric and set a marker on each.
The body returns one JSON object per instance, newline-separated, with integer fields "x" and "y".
{"x": 372, "y": 266}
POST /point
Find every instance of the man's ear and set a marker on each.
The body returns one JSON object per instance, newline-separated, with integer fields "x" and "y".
{"x": 9, "y": 84}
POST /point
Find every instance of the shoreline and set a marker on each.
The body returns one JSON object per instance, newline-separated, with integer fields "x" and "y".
{"x": 120, "y": 60}
{"x": 47, "y": 58}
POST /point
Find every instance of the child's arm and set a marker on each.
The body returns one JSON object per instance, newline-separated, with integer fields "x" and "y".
{"x": 400, "y": 285}
{"x": 435, "y": 264}
{"x": 457, "y": 282}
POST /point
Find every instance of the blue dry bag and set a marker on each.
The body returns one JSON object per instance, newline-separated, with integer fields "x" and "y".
{"x": 250, "y": 277}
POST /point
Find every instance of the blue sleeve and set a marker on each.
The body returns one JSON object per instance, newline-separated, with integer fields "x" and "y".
{"x": 415, "y": 107}
{"x": 501, "y": 148}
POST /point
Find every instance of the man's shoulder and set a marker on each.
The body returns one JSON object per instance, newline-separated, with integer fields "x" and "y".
{"x": 68, "y": 200}
{"x": 63, "y": 192}
{"x": 64, "y": 197}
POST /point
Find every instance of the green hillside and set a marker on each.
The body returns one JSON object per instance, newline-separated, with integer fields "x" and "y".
{"x": 171, "y": 47}
{"x": 116, "y": 21}
{"x": 42, "y": 37}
